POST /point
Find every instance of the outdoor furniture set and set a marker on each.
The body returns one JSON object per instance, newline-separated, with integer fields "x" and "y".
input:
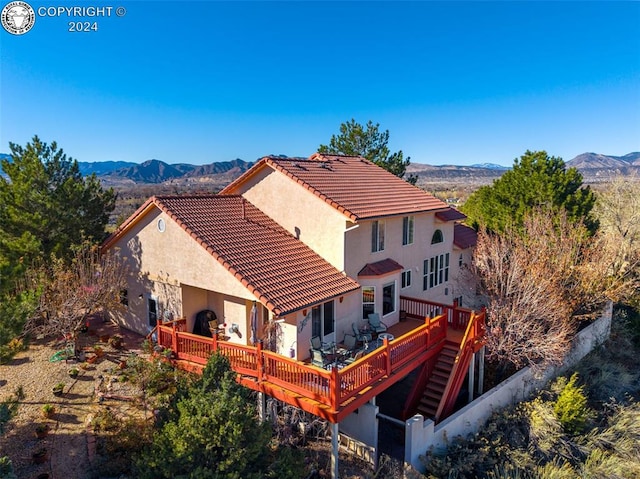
{"x": 353, "y": 347}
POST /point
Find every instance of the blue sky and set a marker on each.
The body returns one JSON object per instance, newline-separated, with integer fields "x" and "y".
{"x": 453, "y": 82}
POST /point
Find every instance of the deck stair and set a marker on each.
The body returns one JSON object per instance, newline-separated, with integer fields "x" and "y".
{"x": 437, "y": 380}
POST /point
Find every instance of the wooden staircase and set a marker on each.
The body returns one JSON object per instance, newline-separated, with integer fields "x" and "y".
{"x": 440, "y": 379}
{"x": 437, "y": 380}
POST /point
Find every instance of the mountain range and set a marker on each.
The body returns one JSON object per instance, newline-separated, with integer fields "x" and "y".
{"x": 592, "y": 165}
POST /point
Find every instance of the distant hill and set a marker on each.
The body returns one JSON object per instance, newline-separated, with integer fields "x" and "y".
{"x": 596, "y": 167}
{"x": 156, "y": 171}
{"x": 453, "y": 172}
{"x": 595, "y": 160}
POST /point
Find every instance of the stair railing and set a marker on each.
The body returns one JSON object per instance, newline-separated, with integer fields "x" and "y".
{"x": 458, "y": 372}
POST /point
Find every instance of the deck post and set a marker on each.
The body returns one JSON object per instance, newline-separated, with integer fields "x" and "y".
{"x": 174, "y": 339}
{"x": 334, "y": 389}
{"x": 472, "y": 376}
{"x": 334, "y": 450}
{"x": 259, "y": 361}
{"x": 481, "y": 371}
{"x": 385, "y": 342}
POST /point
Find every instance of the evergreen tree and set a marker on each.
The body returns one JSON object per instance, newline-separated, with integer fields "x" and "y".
{"x": 47, "y": 205}
{"x": 536, "y": 180}
{"x": 369, "y": 143}
{"x": 212, "y": 431}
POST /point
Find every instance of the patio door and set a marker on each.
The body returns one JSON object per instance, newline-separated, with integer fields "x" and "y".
{"x": 323, "y": 321}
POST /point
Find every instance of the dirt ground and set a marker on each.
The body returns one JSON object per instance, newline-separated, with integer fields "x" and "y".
{"x": 70, "y": 445}
{"x": 70, "y": 442}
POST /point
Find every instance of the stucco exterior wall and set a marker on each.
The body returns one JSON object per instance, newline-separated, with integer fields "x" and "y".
{"x": 304, "y": 215}
{"x": 164, "y": 265}
{"x": 411, "y": 257}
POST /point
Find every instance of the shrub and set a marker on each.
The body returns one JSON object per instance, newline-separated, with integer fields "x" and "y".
{"x": 211, "y": 430}
{"x": 6, "y": 468}
{"x": 571, "y": 405}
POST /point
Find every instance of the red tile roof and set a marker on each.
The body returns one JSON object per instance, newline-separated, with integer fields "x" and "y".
{"x": 380, "y": 268}
{"x": 281, "y": 271}
{"x": 451, "y": 214}
{"x": 354, "y": 186}
{"x": 464, "y": 236}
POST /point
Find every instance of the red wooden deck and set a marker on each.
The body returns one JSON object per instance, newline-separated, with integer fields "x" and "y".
{"x": 332, "y": 394}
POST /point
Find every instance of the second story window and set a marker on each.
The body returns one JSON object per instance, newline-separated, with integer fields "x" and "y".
{"x": 377, "y": 236}
{"x": 406, "y": 278}
{"x": 407, "y": 230}
{"x": 436, "y": 271}
{"x": 437, "y": 237}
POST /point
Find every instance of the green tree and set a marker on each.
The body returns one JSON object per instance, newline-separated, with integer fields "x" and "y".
{"x": 47, "y": 205}
{"x": 370, "y": 143}
{"x": 211, "y": 430}
{"x": 536, "y": 180}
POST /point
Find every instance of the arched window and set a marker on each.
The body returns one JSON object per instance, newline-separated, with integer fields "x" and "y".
{"x": 437, "y": 237}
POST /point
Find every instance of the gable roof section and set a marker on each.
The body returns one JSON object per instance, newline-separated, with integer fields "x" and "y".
{"x": 281, "y": 271}
{"x": 354, "y": 186}
{"x": 450, "y": 214}
{"x": 464, "y": 236}
{"x": 380, "y": 268}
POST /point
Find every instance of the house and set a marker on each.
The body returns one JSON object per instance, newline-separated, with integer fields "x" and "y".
{"x": 315, "y": 245}
{"x": 302, "y": 248}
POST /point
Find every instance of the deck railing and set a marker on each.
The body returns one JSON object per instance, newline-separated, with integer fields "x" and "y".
{"x": 329, "y": 387}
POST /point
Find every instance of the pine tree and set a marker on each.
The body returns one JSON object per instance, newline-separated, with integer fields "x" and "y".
{"x": 369, "y": 143}
{"x": 536, "y": 181}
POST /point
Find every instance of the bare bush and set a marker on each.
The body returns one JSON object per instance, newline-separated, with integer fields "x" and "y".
{"x": 618, "y": 210}
{"x": 70, "y": 293}
{"x": 521, "y": 276}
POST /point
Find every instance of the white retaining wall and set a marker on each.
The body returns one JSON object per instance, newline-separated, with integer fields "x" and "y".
{"x": 420, "y": 435}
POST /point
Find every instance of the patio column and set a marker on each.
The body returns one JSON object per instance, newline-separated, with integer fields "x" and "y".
{"x": 334, "y": 450}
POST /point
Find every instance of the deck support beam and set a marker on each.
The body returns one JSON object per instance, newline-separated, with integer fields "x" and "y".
{"x": 481, "y": 371}
{"x": 262, "y": 407}
{"x": 334, "y": 450}
{"x": 472, "y": 376}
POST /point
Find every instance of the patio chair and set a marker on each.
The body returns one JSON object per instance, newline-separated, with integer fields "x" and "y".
{"x": 319, "y": 358}
{"x": 363, "y": 337}
{"x": 355, "y": 357}
{"x": 376, "y": 325}
{"x": 349, "y": 342}
{"x": 317, "y": 344}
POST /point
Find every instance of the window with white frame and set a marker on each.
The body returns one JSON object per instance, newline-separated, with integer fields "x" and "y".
{"x": 406, "y": 278}
{"x": 436, "y": 271}
{"x": 368, "y": 301}
{"x": 389, "y": 298}
{"x": 460, "y": 259}
{"x": 377, "y": 236}
{"x": 407, "y": 230}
